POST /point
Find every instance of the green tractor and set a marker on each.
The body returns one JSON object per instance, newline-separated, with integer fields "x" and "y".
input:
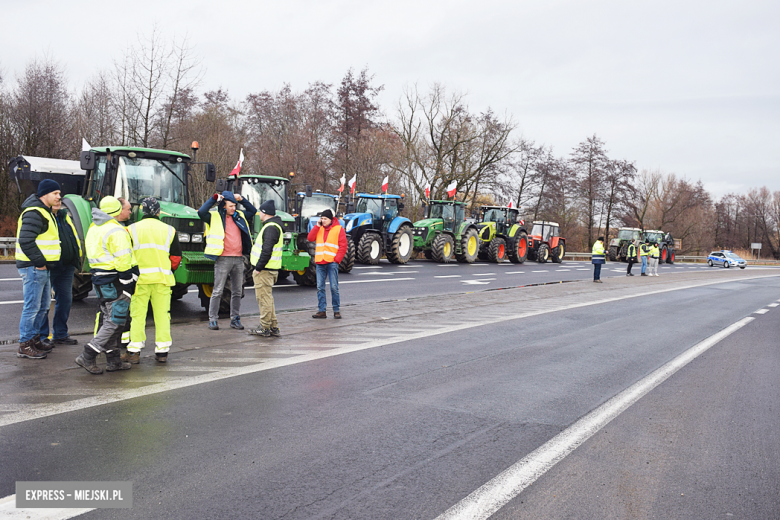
{"x": 618, "y": 247}
{"x": 503, "y": 235}
{"x": 445, "y": 235}
{"x": 135, "y": 173}
{"x": 258, "y": 189}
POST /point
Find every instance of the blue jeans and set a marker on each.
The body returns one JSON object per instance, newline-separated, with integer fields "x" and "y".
{"x": 62, "y": 283}
{"x": 37, "y": 297}
{"x": 330, "y": 271}
{"x": 644, "y": 264}
{"x": 597, "y": 271}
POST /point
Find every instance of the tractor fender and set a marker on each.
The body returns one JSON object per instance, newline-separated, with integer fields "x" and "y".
{"x": 464, "y": 226}
{"x": 81, "y": 213}
{"x": 397, "y": 223}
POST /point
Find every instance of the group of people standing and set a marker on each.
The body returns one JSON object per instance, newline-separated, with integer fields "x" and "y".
{"x": 648, "y": 253}
{"x": 133, "y": 266}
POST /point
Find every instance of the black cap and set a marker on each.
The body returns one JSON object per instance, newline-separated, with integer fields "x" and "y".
{"x": 600, "y": 238}
{"x": 268, "y": 207}
{"x": 150, "y": 206}
{"x": 326, "y": 213}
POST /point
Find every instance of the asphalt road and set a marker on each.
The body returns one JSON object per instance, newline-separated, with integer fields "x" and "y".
{"x": 413, "y": 428}
{"x": 364, "y": 284}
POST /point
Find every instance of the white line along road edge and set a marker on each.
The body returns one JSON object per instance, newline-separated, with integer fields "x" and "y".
{"x": 492, "y": 496}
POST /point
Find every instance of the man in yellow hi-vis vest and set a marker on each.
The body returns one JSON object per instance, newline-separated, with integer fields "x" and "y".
{"x": 114, "y": 274}
{"x": 158, "y": 253}
{"x": 266, "y": 258}
{"x": 37, "y": 249}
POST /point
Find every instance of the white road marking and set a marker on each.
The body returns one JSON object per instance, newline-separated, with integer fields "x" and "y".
{"x": 16, "y": 302}
{"x": 583, "y": 269}
{"x": 396, "y": 272}
{"x": 566, "y": 270}
{"x": 477, "y": 282}
{"x": 773, "y": 304}
{"x": 492, "y": 496}
{"x": 446, "y": 265}
{"x": 538, "y": 271}
{"x": 761, "y": 311}
{"x": 369, "y": 281}
{"x": 485, "y": 274}
{"x": 9, "y": 279}
{"x": 448, "y": 276}
{"x": 515, "y": 272}
{"x": 406, "y": 265}
{"x": 8, "y": 510}
{"x": 368, "y": 267}
{"x": 112, "y": 396}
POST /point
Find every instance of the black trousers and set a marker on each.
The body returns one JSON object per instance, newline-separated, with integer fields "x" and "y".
{"x": 630, "y": 264}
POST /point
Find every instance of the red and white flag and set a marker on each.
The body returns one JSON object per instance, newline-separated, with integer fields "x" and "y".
{"x": 352, "y": 184}
{"x": 510, "y": 204}
{"x": 384, "y": 184}
{"x": 237, "y": 170}
{"x": 343, "y": 180}
{"x": 428, "y": 191}
{"x": 452, "y": 188}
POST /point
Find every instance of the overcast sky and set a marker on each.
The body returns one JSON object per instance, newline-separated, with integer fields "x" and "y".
{"x": 690, "y": 87}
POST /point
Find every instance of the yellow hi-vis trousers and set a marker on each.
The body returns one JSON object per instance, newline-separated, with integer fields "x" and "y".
{"x": 160, "y": 296}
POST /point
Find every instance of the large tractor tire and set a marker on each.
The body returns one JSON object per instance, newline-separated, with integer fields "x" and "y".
{"x": 664, "y": 256}
{"x": 497, "y": 251}
{"x": 283, "y": 275}
{"x": 178, "y": 291}
{"x": 348, "y": 262}
{"x": 443, "y": 249}
{"x": 558, "y": 252}
{"x": 307, "y": 277}
{"x": 543, "y": 253}
{"x": 82, "y": 285}
{"x": 670, "y": 259}
{"x": 248, "y": 270}
{"x": 402, "y": 246}
{"x": 469, "y": 247}
{"x": 369, "y": 250}
{"x": 613, "y": 253}
{"x": 204, "y": 293}
{"x": 517, "y": 248}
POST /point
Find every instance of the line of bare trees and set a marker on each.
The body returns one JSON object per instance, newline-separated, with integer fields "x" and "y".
{"x": 431, "y": 138}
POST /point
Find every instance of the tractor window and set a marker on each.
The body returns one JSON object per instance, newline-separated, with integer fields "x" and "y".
{"x": 98, "y": 174}
{"x": 257, "y": 191}
{"x": 317, "y": 203}
{"x": 139, "y": 178}
{"x": 391, "y": 209}
{"x": 493, "y": 215}
{"x": 460, "y": 213}
{"x": 373, "y": 206}
{"x": 628, "y": 234}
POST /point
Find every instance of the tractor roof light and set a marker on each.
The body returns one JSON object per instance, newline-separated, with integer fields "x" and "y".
{"x": 195, "y": 146}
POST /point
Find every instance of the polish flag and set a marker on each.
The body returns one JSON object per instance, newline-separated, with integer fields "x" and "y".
{"x": 428, "y": 191}
{"x": 237, "y": 170}
{"x": 510, "y": 205}
{"x": 384, "y": 184}
{"x": 85, "y": 145}
{"x": 352, "y": 184}
{"x": 452, "y": 188}
{"x": 343, "y": 180}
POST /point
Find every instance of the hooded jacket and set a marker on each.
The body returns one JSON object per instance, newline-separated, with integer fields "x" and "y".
{"x": 33, "y": 224}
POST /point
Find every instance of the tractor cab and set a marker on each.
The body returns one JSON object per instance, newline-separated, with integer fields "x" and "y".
{"x": 544, "y": 231}
{"x": 378, "y": 229}
{"x": 451, "y": 213}
{"x": 313, "y": 204}
{"x": 503, "y": 217}
{"x": 502, "y": 234}
{"x": 545, "y": 242}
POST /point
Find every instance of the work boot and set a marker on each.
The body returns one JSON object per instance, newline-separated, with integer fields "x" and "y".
{"x": 265, "y": 333}
{"x": 161, "y": 357}
{"x": 27, "y": 350}
{"x": 39, "y": 345}
{"x": 67, "y": 340}
{"x": 644, "y": 274}
{"x": 213, "y": 325}
{"x": 114, "y": 361}
{"x": 87, "y": 360}
{"x": 320, "y": 315}
{"x": 49, "y": 344}
{"x": 337, "y": 315}
{"x": 275, "y": 332}
{"x": 235, "y": 323}
{"x": 131, "y": 357}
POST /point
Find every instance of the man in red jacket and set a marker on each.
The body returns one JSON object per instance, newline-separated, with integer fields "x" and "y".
{"x": 331, "y": 246}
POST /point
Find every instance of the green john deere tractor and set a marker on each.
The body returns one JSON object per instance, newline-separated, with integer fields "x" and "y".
{"x": 503, "y": 235}
{"x": 618, "y": 247}
{"x": 135, "y": 173}
{"x": 445, "y": 235}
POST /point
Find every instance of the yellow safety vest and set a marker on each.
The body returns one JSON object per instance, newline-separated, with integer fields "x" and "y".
{"x": 327, "y": 247}
{"x": 655, "y": 252}
{"x": 598, "y": 251}
{"x": 48, "y": 241}
{"x": 152, "y": 241}
{"x": 644, "y": 250}
{"x": 215, "y": 232}
{"x": 631, "y": 251}
{"x": 75, "y": 233}
{"x": 109, "y": 247}
{"x": 275, "y": 263}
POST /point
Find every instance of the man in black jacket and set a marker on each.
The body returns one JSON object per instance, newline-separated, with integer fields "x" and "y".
{"x": 266, "y": 258}
{"x": 37, "y": 250}
{"x": 61, "y": 278}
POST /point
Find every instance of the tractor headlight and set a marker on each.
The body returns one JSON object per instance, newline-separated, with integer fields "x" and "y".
{"x": 197, "y": 239}
{"x": 288, "y": 236}
{"x": 184, "y": 237}
{"x": 349, "y": 226}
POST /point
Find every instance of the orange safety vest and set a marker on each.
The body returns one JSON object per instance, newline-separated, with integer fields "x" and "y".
{"x": 327, "y": 247}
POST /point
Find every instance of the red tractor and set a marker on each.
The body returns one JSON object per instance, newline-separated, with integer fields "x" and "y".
{"x": 544, "y": 243}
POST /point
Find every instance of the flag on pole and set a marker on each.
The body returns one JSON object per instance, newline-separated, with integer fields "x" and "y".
{"x": 384, "y": 184}
{"x": 85, "y": 147}
{"x": 510, "y": 204}
{"x": 452, "y": 188}
{"x": 352, "y": 184}
{"x": 428, "y": 191}
{"x": 237, "y": 170}
{"x": 343, "y": 180}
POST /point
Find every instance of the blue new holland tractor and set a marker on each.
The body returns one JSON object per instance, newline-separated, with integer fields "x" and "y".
{"x": 377, "y": 229}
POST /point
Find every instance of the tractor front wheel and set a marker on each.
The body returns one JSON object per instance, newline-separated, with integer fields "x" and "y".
{"x": 443, "y": 249}
{"x": 369, "y": 250}
{"x": 558, "y": 252}
{"x": 402, "y": 246}
{"x": 518, "y": 248}
{"x": 348, "y": 262}
{"x": 613, "y": 253}
{"x": 82, "y": 285}
{"x": 497, "y": 251}
{"x": 543, "y": 254}
{"x": 469, "y": 247}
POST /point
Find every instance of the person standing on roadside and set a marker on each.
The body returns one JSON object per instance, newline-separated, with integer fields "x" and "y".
{"x": 655, "y": 253}
{"x": 267, "y": 260}
{"x": 598, "y": 258}
{"x": 631, "y": 257}
{"x": 158, "y": 253}
{"x": 37, "y": 250}
{"x": 114, "y": 275}
{"x": 644, "y": 253}
{"x": 228, "y": 239}
{"x": 61, "y": 277}
{"x": 331, "y": 246}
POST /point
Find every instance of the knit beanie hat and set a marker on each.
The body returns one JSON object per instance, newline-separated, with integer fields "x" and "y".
{"x": 47, "y": 186}
{"x": 111, "y": 206}
{"x": 268, "y": 207}
{"x": 150, "y": 206}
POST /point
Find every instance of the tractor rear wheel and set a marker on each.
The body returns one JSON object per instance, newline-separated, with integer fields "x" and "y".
{"x": 402, "y": 246}
{"x": 671, "y": 258}
{"x": 664, "y": 253}
{"x": 543, "y": 253}
{"x": 307, "y": 277}
{"x": 428, "y": 254}
{"x": 469, "y": 246}
{"x": 283, "y": 275}
{"x": 178, "y": 291}
{"x": 497, "y": 251}
{"x": 348, "y": 262}
{"x": 443, "y": 249}
{"x": 558, "y": 252}
{"x": 517, "y": 248}
{"x": 82, "y": 285}
{"x": 369, "y": 250}
{"x": 205, "y": 292}
{"x": 613, "y": 253}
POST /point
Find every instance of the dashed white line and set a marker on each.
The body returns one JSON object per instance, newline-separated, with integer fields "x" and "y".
{"x": 368, "y": 267}
{"x": 761, "y": 311}
{"x": 538, "y": 271}
{"x": 9, "y": 279}
{"x": 448, "y": 276}
{"x": 382, "y": 280}
{"x": 773, "y": 304}
{"x": 515, "y": 272}
{"x": 485, "y": 274}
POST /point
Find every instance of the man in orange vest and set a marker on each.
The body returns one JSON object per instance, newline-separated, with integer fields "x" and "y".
{"x": 331, "y": 246}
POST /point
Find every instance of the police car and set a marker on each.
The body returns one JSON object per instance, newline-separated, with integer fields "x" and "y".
{"x": 726, "y": 259}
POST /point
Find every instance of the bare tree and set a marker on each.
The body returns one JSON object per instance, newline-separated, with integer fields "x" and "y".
{"x": 590, "y": 161}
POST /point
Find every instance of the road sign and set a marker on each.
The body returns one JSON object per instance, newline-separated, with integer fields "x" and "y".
{"x": 755, "y": 245}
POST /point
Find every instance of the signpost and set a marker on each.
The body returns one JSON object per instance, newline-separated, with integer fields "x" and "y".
{"x": 755, "y": 246}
